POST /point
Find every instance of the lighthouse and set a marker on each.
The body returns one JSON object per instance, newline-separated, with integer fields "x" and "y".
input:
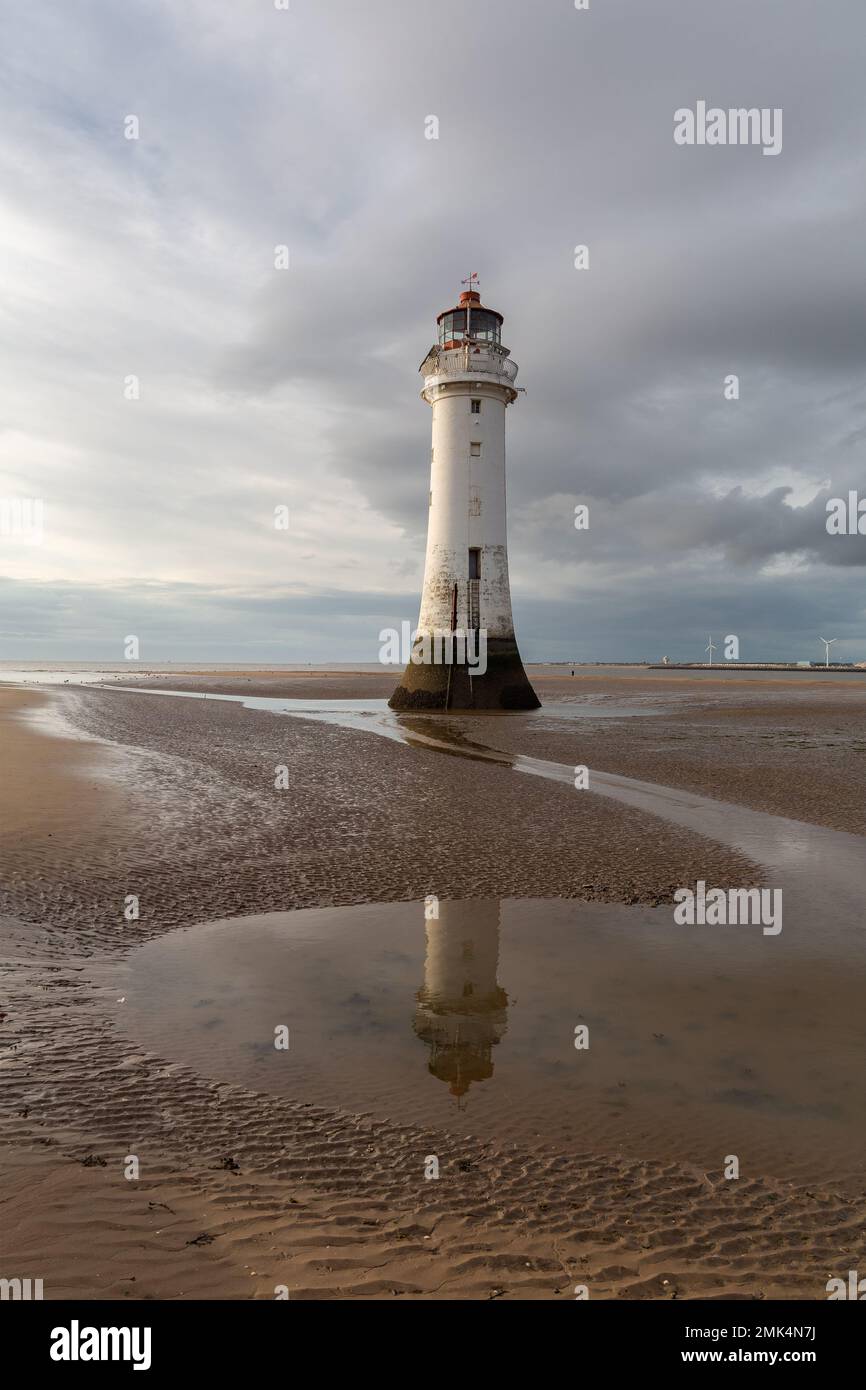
{"x": 464, "y": 654}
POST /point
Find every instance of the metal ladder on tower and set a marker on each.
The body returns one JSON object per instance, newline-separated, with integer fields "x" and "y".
{"x": 474, "y": 605}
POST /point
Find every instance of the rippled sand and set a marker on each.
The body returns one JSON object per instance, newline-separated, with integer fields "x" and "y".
{"x": 240, "y": 1190}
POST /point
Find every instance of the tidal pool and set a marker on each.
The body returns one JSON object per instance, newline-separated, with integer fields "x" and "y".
{"x": 702, "y": 1042}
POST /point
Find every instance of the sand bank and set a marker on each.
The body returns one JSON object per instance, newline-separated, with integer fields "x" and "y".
{"x": 240, "y": 1190}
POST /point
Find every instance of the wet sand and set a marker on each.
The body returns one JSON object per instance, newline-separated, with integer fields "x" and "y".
{"x": 241, "y": 1190}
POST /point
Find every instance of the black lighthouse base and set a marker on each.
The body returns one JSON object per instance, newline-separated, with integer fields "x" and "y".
{"x": 504, "y": 685}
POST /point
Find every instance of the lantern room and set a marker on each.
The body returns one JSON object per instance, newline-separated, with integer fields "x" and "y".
{"x": 469, "y": 321}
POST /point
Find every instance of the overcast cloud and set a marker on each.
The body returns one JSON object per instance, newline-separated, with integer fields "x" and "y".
{"x": 259, "y": 387}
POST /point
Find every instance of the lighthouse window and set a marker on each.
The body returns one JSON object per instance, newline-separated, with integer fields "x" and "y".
{"x": 475, "y": 448}
{"x": 452, "y": 326}
{"x": 474, "y": 564}
{"x": 476, "y": 407}
{"x": 485, "y": 326}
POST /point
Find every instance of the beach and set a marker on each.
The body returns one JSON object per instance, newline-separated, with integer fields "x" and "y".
{"x": 132, "y": 818}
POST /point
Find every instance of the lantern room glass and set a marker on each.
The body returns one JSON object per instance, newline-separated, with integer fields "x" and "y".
{"x": 484, "y": 326}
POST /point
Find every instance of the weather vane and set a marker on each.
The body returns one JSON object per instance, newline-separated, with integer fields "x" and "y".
{"x": 472, "y": 282}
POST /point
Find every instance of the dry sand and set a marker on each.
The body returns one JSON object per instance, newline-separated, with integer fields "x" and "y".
{"x": 240, "y": 1192}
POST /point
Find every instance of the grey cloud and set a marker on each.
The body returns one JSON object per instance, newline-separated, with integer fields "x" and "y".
{"x": 306, "y": 128}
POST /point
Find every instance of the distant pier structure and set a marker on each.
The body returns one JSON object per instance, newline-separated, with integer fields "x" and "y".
{"x": 469, "y": 383}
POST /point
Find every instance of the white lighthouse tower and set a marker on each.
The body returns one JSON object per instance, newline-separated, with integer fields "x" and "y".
{"x": 469, "y": 382}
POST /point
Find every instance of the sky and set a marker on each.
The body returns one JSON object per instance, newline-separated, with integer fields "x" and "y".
{"x": 146, "y": 267}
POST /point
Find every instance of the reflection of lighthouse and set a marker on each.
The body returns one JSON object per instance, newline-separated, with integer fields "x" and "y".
{"x": 461, "y": 1009}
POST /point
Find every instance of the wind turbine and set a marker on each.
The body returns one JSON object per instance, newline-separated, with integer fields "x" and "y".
{"x": 711, "y": 648}
{"x": 828, "y": 642}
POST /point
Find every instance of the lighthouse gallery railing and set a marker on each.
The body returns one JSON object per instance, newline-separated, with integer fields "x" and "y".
{"x": 469, "y": 360}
